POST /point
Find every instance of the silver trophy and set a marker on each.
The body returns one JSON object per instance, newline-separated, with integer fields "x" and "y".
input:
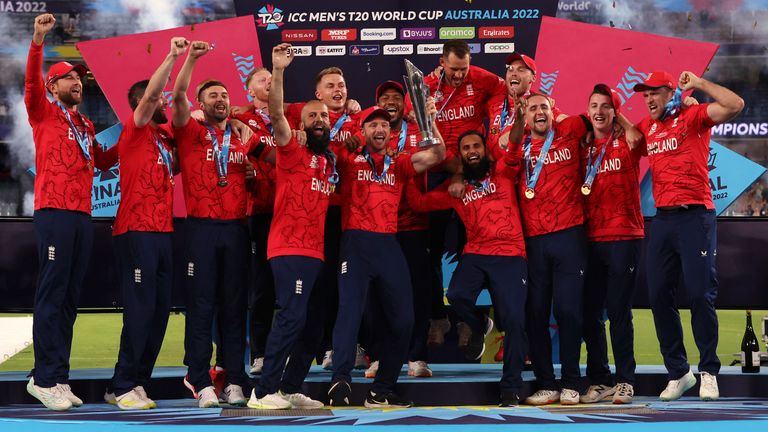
{"x": 414, "y": 82}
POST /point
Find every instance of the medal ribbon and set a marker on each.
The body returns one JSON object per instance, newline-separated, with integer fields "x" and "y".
{"x": 338, "y": 125}
{"x": 165, "y": 154}
{"x": 673, "y": 106}
{"x": 440, "y": 92}
{"x": 387, "y": 163}
{"x": 333, "y": 177}
{"x": 82, "y": 140}
{"x": 267, "y": 120}
{"x": 532, "y": 178}
{"x": 403, "y": 134}
{"x": 220, "y": 154}
{"x": 592, "y": 169}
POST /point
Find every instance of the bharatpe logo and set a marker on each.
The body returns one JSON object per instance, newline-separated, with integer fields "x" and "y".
{"x": 547, "y": 83}
{"x": 627, "y": 83}
{"x": 270, "y": 17}
{"x": 363, "y": 50}
{"x": 244, "y": 66}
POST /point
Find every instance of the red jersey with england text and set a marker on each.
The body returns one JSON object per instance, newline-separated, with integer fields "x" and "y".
{"x": 407, "y": 219}
{"x": 63, "y": 175}
{"x": 261, "y": 190}
{"x": 146, "y": 192}
{"x": 489, "y": 211}
{"x": 613, "y": 206}
{"x": 678, "y": 153}
{"x": 463, "y": 108}
{"x": 203, "y": 196}
{"x": 301, "y": 202}
{"x": 498, "y": 110}
{"x": 558, "y": 203}
{"x": 369, "y": 204}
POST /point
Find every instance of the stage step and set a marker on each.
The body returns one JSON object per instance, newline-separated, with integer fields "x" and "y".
{"x": 452, "y": 384}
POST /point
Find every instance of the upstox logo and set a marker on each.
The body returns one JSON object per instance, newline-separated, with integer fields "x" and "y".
{"x": 457, "y": 32}
{"x": 401, "y": 49}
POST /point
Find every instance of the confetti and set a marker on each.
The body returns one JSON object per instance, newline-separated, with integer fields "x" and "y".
{"x": 670, "y": 50}
{"x": 149, "y": 48}
{"x": 611, "y": 23}
{"x": 192, "y": 27}
{"x": 614, "y": 4}
{"x": 690, "y": 17}
{"x": 627, "y": 49}
{"x": 754, "y": 26}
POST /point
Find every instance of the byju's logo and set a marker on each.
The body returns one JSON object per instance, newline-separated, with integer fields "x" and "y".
{"x": 627, "y": 83}
{"x": 270, "y": 17}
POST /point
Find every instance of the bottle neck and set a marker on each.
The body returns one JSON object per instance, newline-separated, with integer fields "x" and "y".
{"x": 749, "y": 320}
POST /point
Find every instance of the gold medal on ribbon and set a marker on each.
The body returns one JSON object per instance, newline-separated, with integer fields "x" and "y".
{"x": 530, "y": 193}
{"x": 223, "y": 182}
{"x": 586, "y": 189}
{"x": 89, "y": 165}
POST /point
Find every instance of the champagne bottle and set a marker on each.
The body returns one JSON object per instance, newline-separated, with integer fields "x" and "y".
{"x": 750, "y": 350}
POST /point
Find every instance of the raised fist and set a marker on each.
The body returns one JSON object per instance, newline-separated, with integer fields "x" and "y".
{"x": 688, "y": 80}
{"x": 281, "y": 56}
{"x": 44, "y": 23}
{"x": 198, "y": 49}
{"x": 178, "y": 46}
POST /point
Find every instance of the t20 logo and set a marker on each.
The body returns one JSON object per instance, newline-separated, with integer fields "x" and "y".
{"x": 270, "y": 17}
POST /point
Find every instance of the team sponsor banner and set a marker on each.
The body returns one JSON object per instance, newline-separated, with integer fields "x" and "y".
{"x": 369, "y": 40}
{"x": 119, "y": 62}
{"x": 105, "y": 194}
{"x": 730, "y": 174}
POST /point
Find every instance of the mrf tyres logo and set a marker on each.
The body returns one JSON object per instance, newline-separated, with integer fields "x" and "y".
{"x": 270, "y": 17}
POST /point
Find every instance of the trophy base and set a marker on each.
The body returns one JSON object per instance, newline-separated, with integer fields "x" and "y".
{"x": 429, "y": 142}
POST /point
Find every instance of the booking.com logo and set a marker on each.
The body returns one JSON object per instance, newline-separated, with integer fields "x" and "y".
{"x": 270, "y": 17}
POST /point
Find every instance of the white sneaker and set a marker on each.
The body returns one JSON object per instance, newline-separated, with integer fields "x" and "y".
{"x": 372, "y": 369}
{"x": 361, "y": 362}
{"x": 233, "y": 395}
{"x": 569, "y": 397}
{"x": 66, "y": 390}
{"x": 676, "y": 388}
{"x": 206, "y": 398}
{"x": 51, "y": 397}
{"x": 143, "y": 394}
{"x": 596, "y": 393}
{"x": 624, "y": 392}
{"x": 132, "y": 401}
{"x": 708, "y": 390}
{"x": 419, "y": 369}
{"x": 258, "y": 365}
{"x": 543, "y": 397}
{"x": 298, "y": 400}
{"x": 328, "y": 360}
{"x": 110, "y": 398}
{"x": 269, "y": 402}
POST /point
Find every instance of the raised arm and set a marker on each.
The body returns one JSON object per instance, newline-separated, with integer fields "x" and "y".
{"x": 180, "y": 101}
{"x": 154, "y": 91}
{"x": 727, "y": 104}
{"x": 34, "y": 89}
{"x": 432, "y": 156}
{"x": 281, "y": 58}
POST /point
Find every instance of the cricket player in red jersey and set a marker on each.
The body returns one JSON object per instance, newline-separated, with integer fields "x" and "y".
{"x": 552, "y": 210}
{"x": 213, "y": 163}
{"x": 614, "y": 231}
{"x": 373, "y": 180}
{"x": 306, "y": 176}
{"x": 66, "y": 152}
{"x": 683, "y": 235}
{"x": 142, "y": 235}
{"x": 520, "y": 75}
{"x": 261, "y": 198}
{"x": 494, "y": 253}
{"x": 412, "y": 234}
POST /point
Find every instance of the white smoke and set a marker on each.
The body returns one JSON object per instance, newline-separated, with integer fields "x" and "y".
{"x": 152, "y": 15}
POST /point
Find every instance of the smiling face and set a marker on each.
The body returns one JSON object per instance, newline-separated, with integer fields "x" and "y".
{"x": 332, "y": 91}
{"x": 68, "y": 89}
{"x": 214, "y": 101}
{"x": 472, "y": 150}
{"x": 601, "y": 112}
{"x": 314, "y": 116}
{"x": 259, "y": 84}
{"x": 518, "y": 78}
{"x": 376, "y": 133}
{"x": 456, "y": 68}
{"x": 392, "y": 101}
{"x": 656, "y": 99}
{"x": 538, "y": 115}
